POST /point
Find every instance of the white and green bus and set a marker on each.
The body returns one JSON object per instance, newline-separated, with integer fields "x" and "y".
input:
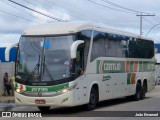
{"x": 81, "y": 63}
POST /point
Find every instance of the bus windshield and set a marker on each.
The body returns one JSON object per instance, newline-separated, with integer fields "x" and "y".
{"x": 44, "y": 58}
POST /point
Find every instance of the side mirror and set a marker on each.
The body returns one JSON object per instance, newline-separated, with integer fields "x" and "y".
{"x": 74, "y": 47}
{"x": 7, "y": 51}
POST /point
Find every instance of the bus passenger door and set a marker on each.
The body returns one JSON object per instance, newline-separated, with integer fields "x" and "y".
{"x": 80, "y": 92}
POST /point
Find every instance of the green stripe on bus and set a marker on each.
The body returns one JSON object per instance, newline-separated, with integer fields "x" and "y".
{"x": 129, "y": 78}
{"x": 131, "y": 66}
{"x": 98, "y": 64}
{"x": 16, "y": 85}
{"x": 145, "y": 64}
{"x": 140, "y": 66}
{"x": 109, "y": 66}
{"x": 148, "y": 66}
{"x": 49, "y": 88}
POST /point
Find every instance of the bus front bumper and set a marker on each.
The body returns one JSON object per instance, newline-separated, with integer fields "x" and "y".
{"x": 65, "y": 99}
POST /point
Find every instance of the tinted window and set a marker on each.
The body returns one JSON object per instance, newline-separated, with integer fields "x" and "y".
{"x": 98, "y": 48}
{"x": 146, "y": 48}
{"x": 114, "y": 45}
{"x": 110, "y": 44}
{"x": 133, "y": 48}
{"x": 139, "y": 48}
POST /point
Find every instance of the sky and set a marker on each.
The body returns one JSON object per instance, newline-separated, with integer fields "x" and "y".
{"x": 120, "y": 14}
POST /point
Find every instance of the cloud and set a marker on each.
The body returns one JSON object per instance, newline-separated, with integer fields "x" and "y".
{"x": 8, "y": 39}
{"x": 11, "y": 27}
{"x": 52, "y": 13}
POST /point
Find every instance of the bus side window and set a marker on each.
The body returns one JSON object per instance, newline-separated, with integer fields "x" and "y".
{"x": 98, "y": 48}
{"x": 124, "y": 47}
{"x": 110, "y": 45}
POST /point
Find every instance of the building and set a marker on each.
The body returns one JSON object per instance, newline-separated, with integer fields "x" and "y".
{"x": 157, "y": 57}
{"x": 6, "y": 66}
{"x": 12, "y": 54}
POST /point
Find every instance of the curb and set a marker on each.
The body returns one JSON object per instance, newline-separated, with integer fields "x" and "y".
{"x": 7, "y": 99}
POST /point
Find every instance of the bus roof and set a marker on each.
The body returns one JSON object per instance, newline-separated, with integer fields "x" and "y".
{"x": 73, "y": 27}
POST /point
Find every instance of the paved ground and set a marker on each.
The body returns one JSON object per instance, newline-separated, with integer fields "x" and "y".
{"x": 6, "y": 98}
{"x": 150, "y": 103}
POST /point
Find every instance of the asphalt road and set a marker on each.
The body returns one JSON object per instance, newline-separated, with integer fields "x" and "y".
{"x": 114, "y": 109}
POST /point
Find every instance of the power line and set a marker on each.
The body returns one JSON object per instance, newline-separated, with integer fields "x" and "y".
{"x": 110, "y": 7}
{"x": 16, "y": 8}
{"x": 37, "y": 3}
{"x": 149, "y": 22}
{"x": 27, "y": 1}
{"x": 119, "y": 6}
{"x": 34, "y": 3}
{"x": 52, "y": 2}
{"x": 152, "y": 28}
{"x": 142, "y": 15}
{"x": 41, "y": 3}
{"x": 81, "y": 17}
{"x": 57, "y": 19}
{"x": 17, "y": 16}
{"x": 156, "y": 19}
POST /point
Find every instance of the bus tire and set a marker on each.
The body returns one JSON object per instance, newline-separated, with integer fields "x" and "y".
{"x": 44, "y": 108}
{"x": 144, "y": 90}
{"x": 143, "y": 93}
{"x": 93, "y": 100}
{"x": 138, "y": 93}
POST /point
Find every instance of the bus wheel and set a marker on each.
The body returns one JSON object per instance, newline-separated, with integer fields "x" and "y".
{"x": 143, "y": 93}
{"x": 43, "y": 108}
{"x": 144, "y": 90}
{"x": 93, "y": 99}
{"x": 138, "y": 93}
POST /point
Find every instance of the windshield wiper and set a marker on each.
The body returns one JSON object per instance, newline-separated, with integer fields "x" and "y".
{"x": 47, "y": 70}
{"x": 37, "y": 67}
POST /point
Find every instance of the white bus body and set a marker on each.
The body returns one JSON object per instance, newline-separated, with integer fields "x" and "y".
{"x": 103, "y": 78}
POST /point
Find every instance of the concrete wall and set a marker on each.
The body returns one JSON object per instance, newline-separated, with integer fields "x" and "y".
{"x": 5, "y": 67}
{"x": 157, "y": 70}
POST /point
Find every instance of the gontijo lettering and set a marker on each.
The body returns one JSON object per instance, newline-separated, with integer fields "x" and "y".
{"x": 105, "y": 66}
{"x": 112, "y": 66}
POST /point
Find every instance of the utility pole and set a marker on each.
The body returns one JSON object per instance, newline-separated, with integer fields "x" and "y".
{"x": 141, "y": 17}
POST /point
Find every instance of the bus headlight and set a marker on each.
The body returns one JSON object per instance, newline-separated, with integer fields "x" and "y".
{"x": 65, "y": 90}
{"x": 18, "y": 90}
{"x": 68, "y": 89}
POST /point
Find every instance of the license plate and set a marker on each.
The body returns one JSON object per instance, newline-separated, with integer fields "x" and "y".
{"x": 40, "y": 101}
